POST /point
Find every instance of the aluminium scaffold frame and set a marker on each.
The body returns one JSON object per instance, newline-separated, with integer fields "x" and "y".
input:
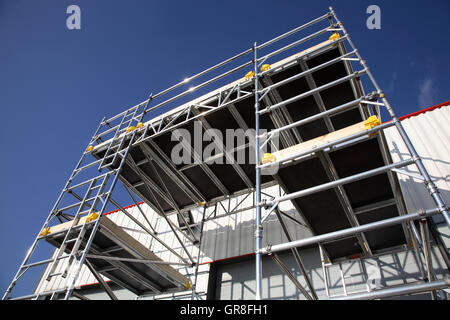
{"x": 273, "y": 204}
{"x": 117, "y": 140}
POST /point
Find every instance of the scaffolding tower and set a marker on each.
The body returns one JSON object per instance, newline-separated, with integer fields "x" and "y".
{"x": 333, "y": 165}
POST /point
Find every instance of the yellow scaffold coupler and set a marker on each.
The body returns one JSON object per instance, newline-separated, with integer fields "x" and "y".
{"x": 188, "y": 286}
{"x": 139, "y": 125}
{"x": 45, "y": 232}
{"x": 90, "y": 148}
{"x": 265, "y": 67}
{"x": 249, "y": 75}
{"x": 267, "y": 157}
{"x": 129, "y": 129}
{"x": 334, "y": 36}
{"x": 91, "y": 217}
{"x": 371, "y": 122}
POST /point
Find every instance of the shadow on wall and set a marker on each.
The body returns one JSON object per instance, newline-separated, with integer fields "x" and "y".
{"x": 235, "y": 279}
{"x": 415, "y": 193}
{"x": 233, "y": 236}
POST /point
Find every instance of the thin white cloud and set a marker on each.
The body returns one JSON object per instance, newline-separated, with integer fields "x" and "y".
{"x": 392, "y": 82}
{"x": 427, "y": 92}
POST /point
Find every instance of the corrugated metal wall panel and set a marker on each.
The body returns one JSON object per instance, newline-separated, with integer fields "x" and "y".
{"x": 430, "y": 134}
{"x": 233, "y": 235}
{"x": 236, "y": 279}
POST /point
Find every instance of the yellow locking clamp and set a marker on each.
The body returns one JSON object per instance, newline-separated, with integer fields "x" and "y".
{"x": 91, "y": 217}
{"x": 334, "y": 36}
{"x": 371, "y": 122}
{"x": 44, "y": 232}
{"x": 265, "y": 67}
{"x": 249, "y": 75}
{"x": 130, "y": 129}
{"x": 268, "y": 157}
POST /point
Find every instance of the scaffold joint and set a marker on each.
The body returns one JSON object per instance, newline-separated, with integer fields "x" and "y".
{"x": 422, "y": 213}
{"x": 263, "y": 203}
{"x": 130, "y": 129}
{"x": 415, "y": 158}
{"x": 45, "y": 232}
{"x": 371, "y": 122}
{"x": 249, "y": 75}
{"x": 267, "y": 157}
{"x": 265, "y": 67}
{"x": 334, "y": 36}
{"x": 91, "y": 217}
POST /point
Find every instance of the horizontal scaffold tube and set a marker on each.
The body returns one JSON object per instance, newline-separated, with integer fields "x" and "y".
{"x": 349, "y": 232}
{"x": 311, "y": 92}
{"x": 332, "y": 184}
{"x": 41, "y": 294}
{"x": 399, "y": 291}
{"x": 203, "y": 72}
{"x": 330, "y": 144}
{"x": 96, "y": 256}
{"x": 324, "y": 114}
{"x": 284, "y": 35}
{"x": 225, "y": 62}
{"x": 201, "y": 85}
{"x": 307, "y": 72}
{"x": 294, "y": 44}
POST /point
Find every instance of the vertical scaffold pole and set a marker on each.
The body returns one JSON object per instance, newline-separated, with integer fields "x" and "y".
{"x": 258, "y": 231}
{"x": 197, "y": 265}
{"x": 76, "y": 272}
{"x": 432, "y": 189}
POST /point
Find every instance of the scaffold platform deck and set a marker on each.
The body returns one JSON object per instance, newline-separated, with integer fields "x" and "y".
{"x": 151, "y": 173}
{"x": 121, "y": 258}
{"x": 366, "y": 200}
{"x": 206, "y": 181}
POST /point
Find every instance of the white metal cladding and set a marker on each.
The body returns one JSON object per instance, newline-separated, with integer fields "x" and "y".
{"x": 233, "y": 235}
{"x": 237, "y": 280}
{"x": 430, "y": 135}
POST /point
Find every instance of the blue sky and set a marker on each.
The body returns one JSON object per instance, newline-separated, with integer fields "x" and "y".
{"x": 57, "y": 84}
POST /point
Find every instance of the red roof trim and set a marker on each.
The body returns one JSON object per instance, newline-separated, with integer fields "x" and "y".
{"x": 444, "y": 104}
{"x": 127, "y": 207}
{"x": 94, "y": 284}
